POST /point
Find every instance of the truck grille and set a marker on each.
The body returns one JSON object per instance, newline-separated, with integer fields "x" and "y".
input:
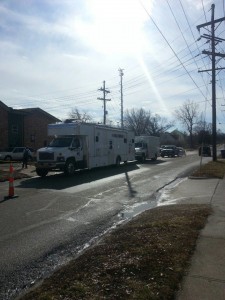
{"x": 46, "y": 156}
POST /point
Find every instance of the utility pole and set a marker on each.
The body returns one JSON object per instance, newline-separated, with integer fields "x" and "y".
{"x": 214, "y": 41}
{"x": 121, "y": 94}
{"x": 103, "y": 89}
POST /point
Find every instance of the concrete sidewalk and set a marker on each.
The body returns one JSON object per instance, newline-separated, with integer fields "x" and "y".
{"x": 205, "y": 279}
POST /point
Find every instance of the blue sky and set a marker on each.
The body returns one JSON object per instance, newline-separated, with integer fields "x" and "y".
{"x": 56, "y": 54}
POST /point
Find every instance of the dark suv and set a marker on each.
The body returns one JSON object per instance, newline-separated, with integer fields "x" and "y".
{"x": 169, "y": 150}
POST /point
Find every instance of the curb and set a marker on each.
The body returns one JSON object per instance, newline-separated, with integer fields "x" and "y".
{"x": 201, "y": 177}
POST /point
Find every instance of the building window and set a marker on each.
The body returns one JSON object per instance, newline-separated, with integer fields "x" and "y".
{"x": 14, "y": 129}
{"x": 32, "y": 138}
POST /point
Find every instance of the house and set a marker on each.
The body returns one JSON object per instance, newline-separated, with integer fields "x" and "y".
{"x": 167, "y": 139}
{"x": 24, "y": 127}
{"x": 179, "y": 136}
{"x": 175, "y": 137}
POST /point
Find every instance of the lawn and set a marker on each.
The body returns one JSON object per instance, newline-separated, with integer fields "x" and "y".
{"x": 144, "y": 259}
{"x": 213, "y": 169}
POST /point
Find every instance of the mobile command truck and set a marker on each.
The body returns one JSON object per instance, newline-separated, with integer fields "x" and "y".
{"x": 84, "y": 145}
{"x": 146, "y": 147}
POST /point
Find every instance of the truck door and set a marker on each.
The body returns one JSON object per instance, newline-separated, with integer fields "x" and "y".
{"x": 77, "y": 149}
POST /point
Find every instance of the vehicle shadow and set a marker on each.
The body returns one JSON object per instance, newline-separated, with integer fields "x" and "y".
{"x": 152, "y": 162}
{"x": 58, "y": 181}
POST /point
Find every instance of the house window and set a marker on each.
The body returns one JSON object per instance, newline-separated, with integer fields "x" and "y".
{"x": 14, "y": 129}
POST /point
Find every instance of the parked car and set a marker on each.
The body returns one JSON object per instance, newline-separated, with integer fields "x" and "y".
{"x": 181, "y": 151}
{"x": 161, "y": 147}
{"x": 15, "y": 153}
{"x": 170, "y": 151}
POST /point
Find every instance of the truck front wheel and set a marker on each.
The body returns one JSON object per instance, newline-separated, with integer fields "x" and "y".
{"x": 155, "y": 157}
{"x": 118, "y": 160}
{"x": 41, "y": 172}
{"x": 69, "y": 167}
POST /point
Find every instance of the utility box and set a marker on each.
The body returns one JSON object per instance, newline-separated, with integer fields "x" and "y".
{"x": 222, "y": 153}
{"x": 204, "y": 151}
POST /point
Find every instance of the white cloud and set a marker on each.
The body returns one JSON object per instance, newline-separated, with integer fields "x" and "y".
{"x": 56, "y": 54}
{"x": 114, "y": 28}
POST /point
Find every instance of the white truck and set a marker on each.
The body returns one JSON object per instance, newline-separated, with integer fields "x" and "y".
{"x": 84, "y": 145}
{"x": 147, "y": 147}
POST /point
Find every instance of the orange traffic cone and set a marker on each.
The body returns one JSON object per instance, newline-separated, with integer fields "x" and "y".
{"x": 11, "y": 183}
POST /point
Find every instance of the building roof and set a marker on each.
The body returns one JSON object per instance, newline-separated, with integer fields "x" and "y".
{"x": 27, "y": 111}
{"x": 5, "y": 107}
{"x": 39, "y": 110}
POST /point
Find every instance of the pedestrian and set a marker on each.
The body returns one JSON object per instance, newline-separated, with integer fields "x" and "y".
{"x": 26, "y": 155}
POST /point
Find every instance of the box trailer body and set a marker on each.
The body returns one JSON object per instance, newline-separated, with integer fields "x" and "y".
{"x": 147, "y": 147}
{"x": 84, "y": 145}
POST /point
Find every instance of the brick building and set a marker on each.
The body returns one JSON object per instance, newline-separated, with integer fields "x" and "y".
{"x": 24, "y": 127}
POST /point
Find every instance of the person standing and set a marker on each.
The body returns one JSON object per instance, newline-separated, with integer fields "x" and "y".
{"x": 26, "y": 155}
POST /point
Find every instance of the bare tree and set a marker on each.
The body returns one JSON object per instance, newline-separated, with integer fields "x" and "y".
{"x": 158, "y": 125}
{"x": 188, "y": 115}
{"x": 203, "y": 131}
{"x": 142, "y": 122}
{"x": 80, "y": 116}
{"x": 137, "y": 120}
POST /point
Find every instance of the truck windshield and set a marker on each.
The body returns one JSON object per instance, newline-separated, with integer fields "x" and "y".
{"x": 138, "y": 145}
{"x": 61, "y": 142}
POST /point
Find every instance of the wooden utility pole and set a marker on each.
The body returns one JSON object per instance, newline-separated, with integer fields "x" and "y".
{"x": 214, "y": 41}
{"x": 103, "y": 89}
{"x": 121, "y": 94}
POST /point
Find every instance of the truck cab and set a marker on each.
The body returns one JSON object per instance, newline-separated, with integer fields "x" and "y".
{"x": 146, "y": 147}
{"x": 64, "y": 153}
{"x": 141, "y": 151}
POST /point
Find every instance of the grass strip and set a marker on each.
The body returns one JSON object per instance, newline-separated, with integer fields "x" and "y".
{"x": 144, "y": 259}
{"x": 214, "y": 169}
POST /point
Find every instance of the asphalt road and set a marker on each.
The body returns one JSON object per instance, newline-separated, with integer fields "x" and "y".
{"x": 54, "y": 218}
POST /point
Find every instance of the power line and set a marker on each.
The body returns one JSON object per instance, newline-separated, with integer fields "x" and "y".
{"x": 172, "y": 49}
